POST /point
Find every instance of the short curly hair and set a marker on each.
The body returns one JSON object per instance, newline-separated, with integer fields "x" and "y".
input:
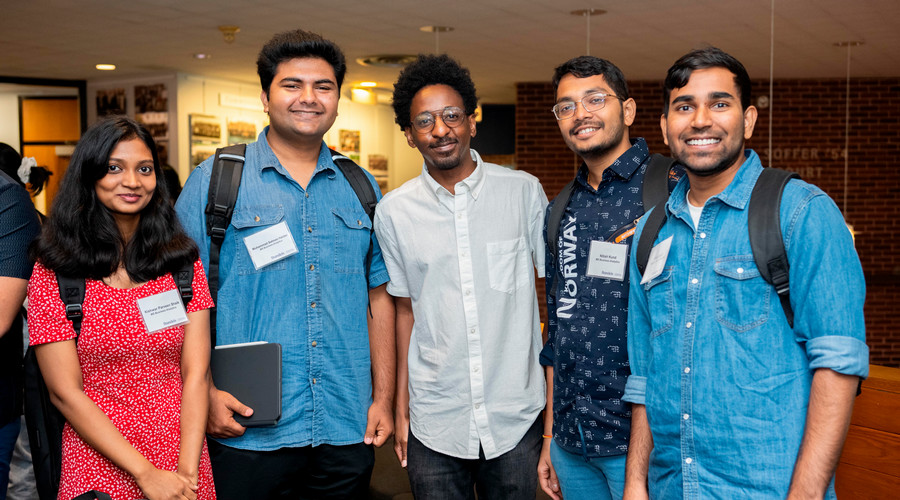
{"x": 431, "y": 70}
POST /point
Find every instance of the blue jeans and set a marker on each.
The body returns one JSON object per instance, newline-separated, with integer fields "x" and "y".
{"x": 597, "y": 478}
{"x": 511, "y": 476}
{"x": 8, "y": 435}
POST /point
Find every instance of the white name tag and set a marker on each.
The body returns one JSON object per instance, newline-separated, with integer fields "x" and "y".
{"x": 607, "y": 260}
{"x": 657, "y": 260}
{"x": 270, "y": 245}
{"x": 163, "y": 310}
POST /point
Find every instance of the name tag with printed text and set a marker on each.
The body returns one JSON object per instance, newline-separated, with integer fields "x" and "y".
{"x": 270, "y": 245}
{"x": 607, "y": 260}
{"x": 163, "y": 310}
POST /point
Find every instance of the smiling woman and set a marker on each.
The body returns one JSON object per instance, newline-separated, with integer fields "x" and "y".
{"x": 114, "y": 227}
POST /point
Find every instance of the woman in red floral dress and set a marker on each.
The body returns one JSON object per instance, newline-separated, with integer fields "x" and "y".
{"x": 134, "y": 392}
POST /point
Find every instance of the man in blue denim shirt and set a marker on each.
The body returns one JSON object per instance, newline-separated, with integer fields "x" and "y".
{"x": 335, "y": 403}
{"x": 728, "y": 400}
{"x": 586, "y": 425}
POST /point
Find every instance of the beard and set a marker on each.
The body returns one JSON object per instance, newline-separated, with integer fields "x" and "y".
{"x": 447, "y": 162}
{"x": 728, "y": 159}
{"x": 616, "y": 132}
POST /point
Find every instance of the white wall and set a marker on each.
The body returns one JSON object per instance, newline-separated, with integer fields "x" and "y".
{"x": 9, "y": 119}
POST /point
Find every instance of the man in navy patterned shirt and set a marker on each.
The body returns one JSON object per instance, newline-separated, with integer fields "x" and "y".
{"x": 587, "y": 425}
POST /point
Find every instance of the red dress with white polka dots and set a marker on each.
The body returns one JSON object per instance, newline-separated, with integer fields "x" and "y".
{"x": 131, "y": 375}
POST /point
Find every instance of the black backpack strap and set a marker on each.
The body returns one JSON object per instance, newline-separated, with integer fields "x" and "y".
{"x": 224, "y": 182}
{"x": 364, "y": 191}
{"x": 554, "y": 220}
{"x": 655, "y": 186}
{"x": 766, "y": 240}
{"x": 654, "y": 223}
{"x": 71, "y": 291}
{"x": 184, "y": 279}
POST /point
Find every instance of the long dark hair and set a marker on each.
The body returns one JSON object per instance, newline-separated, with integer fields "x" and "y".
{"x": 81, "y": 238}
{"x": 10, "y": 160}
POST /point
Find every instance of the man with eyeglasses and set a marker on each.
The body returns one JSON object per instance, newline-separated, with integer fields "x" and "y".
{"x": 461, "y": 243}
{"x": 587, "y": 425}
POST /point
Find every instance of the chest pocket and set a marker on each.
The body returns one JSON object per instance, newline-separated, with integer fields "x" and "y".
{"x": 507, "y": 263}
{"x": 250, "y": 220}
{"x": 660, "y": 302}
{"x": 352, "y": 232}
{"x": 742, "y": 295}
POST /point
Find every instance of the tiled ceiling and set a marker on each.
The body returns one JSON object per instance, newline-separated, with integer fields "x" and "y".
{"x": 501, "y": 41}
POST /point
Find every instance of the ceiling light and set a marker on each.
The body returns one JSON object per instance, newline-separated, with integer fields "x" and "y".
{"x": 387, "y": 60}
{"x": 436, "y": 29}
{"x": 228, "y": 32}
{"x": 368, "y": 84}
{"x": 105, "y": 67}
{"x": 201, "y": 55}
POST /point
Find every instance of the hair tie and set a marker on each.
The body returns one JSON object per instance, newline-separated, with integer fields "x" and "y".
{"x": 24, "y": 170}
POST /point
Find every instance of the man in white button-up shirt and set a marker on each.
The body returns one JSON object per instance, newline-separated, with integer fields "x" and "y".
{"x": 461, "y": 243}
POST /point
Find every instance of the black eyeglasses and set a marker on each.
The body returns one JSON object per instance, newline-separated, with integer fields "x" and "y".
{"x": 591, "y": 102}
{"x": 451, "y": 116}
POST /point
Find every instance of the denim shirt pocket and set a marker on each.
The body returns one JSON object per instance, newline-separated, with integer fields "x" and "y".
{"x": 250, "y": 220}
{"x": 742, "y": 295}
{"x": 661, "y": 302}
{"x": 352, "y": 232}
{"x": 506, "y": 261}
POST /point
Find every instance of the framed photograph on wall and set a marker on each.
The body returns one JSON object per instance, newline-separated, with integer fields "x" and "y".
{"x": 205, "y": 135}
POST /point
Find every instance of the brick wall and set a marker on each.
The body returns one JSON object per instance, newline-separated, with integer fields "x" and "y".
{"x": 808, "y": 137}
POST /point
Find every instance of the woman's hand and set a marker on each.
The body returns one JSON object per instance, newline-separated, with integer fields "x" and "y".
{"x": 159, "y": 484}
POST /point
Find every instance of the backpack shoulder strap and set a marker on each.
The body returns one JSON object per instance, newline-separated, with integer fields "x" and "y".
{"x": 766, "y": 240}
{"x": 655, "y": 187}
{"x": 364, "y": 191}
{"x": 71, "y": 291}
{"x": 654, "y": 223}
{"x": 224, "y": 182}
{"x": 554, "y": 220}
{"x": 184, "y": 279}
{"x": 358, "y": 181}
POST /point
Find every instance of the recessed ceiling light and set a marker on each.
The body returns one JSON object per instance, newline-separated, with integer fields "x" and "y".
{"x": 201, "y": 55}
{"x": 105, "y": 67}
{"x": 387, "y": 60}
{"x": 436, "y": 29}
{"x": 368, "y": 84}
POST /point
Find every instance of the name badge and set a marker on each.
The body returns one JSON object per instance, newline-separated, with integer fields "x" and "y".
{"x": 657, "y": 260}
{"x": 270, "y": 245}
{"x": 607, "y": 260}
{"x": 163, "y": 310}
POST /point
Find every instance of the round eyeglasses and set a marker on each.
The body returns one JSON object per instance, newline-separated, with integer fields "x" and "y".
{"x": 451, "y": 116}
{"x": 591, "y": 102}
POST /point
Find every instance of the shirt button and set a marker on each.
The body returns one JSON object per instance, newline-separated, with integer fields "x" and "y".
{"x": 688, "y": 460}
{"x": 309, "y": 229}
{"x": 703, "y": 235}
{"x": 314, "y": 343}
{"x": 256, "y": 218}
{"x": 685, "y": 416}
{"x": 687, "y": 369}
{"x": 459, "y": 216}
{"x": 313, "y": 305}
{"x": 477, "y": 406}
{"x": 695, "y": 281}
{"x": 468, "y": 292}
{"x": 312, "y": 267}
{"x": 359, "y": 223}
{"x": 475, "y": 369}
{"x": 740, "y": 270}
{"x": 314, "y": 381}
{"x": 472, "y": 331}
{"x": 307, "y": 195}
{"x": 688, "y": 325}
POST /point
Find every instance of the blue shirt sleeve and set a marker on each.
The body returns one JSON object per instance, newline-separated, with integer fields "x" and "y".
{"x": 827, "y": 285}
{"x": 19, "y": 225}
{"x": 190, "y": 208}
{"x": 638, "y": 328}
